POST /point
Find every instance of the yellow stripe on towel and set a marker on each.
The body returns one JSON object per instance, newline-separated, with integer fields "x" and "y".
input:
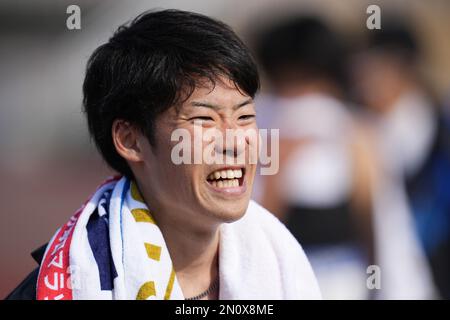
{"x": 153, "y": 252}
{"x": 142, "y": 215}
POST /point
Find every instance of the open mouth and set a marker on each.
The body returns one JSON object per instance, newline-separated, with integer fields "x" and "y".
{"x": 227, "y": 178}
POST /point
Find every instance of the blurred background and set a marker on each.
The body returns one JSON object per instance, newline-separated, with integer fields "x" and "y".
{"x": 364, "y": 119}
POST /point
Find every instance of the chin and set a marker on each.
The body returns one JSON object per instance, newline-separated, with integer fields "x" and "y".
{"x": 228, "y": 211}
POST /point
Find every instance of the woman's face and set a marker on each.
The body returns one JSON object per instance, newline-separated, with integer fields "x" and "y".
{"x": 202, "y": 192}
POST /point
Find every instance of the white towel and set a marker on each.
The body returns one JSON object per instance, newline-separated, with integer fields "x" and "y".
{"x": 113, "y": 249}
{"x": 260, "y": 259}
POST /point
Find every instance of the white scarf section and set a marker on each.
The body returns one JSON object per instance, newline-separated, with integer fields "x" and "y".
{"x": 258, "y": 257}
{"x": 141, "y": 258}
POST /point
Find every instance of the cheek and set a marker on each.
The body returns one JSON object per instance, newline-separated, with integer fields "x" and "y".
{"x": 176, "y": 184}
{"x": 253, "y": 146}
{"x": 180, "y": 179}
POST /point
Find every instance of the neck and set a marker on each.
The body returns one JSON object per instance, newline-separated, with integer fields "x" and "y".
{"x": 192, "y": 251}
{"x": 193, "y": 248}
{"x": 195, "y": 258}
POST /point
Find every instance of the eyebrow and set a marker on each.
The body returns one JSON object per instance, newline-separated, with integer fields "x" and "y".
{"x": 214, "y": 106}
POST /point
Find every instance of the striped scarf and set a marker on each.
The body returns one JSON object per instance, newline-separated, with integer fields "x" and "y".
{"x": 111, "y": 248}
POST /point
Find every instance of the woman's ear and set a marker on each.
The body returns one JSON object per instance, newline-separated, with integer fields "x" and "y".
{"x": 126, "y": 138}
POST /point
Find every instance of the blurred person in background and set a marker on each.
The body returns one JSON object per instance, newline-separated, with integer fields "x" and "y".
{"x": 304, "y": 61}
{"x": 411, "y": 190}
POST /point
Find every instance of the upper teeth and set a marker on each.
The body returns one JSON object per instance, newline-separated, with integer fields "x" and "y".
{"x": 225, "y": 174}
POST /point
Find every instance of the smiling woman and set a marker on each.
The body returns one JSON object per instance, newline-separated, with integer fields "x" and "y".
{"x": 166, "y": 230}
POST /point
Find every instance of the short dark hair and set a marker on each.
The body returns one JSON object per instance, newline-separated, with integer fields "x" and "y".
{"x": 396, "y": 37}
{"x": 153, "y": 63}
{"x": 304, "y": 47}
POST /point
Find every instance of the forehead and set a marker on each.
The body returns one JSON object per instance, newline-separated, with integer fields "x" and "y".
{"x": 223, "y": 93}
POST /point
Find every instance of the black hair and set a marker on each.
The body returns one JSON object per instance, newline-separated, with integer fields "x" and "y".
{"x": 395, "y": 37}
{"x": 303, "y": 46}
{"x": 156, "y": 62}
